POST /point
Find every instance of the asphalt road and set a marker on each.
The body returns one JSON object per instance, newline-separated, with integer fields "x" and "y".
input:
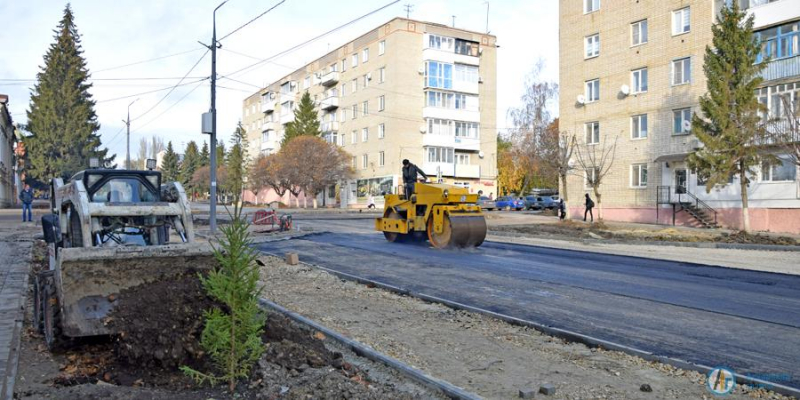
{"x": 744, "y": 320}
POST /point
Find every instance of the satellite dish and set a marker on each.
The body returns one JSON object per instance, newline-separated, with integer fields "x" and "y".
{"x": 421, "y": 70}
{"x": 625, "y": 89}
{"x": 581, "y": 99}
{"x": 423, "y": 129}
{"x": 687, "y": 126}
{"x": 480, "y": 154}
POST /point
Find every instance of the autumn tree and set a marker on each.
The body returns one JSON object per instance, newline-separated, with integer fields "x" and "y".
{"x": 61, "y": 117}
{"x": 595, "y": 162}
{"x": 730, "y": 127}
{"x": 315, "y": 164}
{"x": 306, "y": 121}
{"x": 510, "y": 174}
{"x": 270, "y": 171}
{"x": 557, "y": 150}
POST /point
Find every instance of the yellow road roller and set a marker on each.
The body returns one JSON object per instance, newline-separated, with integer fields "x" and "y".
{"x": 446, "y": 215}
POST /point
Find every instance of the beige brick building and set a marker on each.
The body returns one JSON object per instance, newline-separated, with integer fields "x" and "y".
{"x": 406, "y": 89}
{"x": 632, "y": 72}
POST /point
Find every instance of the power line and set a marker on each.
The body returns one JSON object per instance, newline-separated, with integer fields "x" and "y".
{"x": 173, "y": 88}
{"x": 251, "y": 21}
{"x": 243, "y": 83}
{"x": 149, "y": 91}
{"x": 104, "y": 79}
{"x": 147, "y": 61}
{"x": 115, "y": 136}
{"x": 310, "y": 40}
{"x": 254, "y": 57}
{"x": 168, "y": 108}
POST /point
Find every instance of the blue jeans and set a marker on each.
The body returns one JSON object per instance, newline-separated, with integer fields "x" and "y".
{"x": 26, "y": 206}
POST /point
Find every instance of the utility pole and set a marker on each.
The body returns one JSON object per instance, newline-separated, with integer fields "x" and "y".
{"x": 127, "y": 123}
{"x": 408, "y": 8}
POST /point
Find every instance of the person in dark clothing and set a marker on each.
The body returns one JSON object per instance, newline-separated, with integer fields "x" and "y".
{"x": 26, "y": 196}
{"x": 562, "y": 209}
{"x": 589, "y": 206}
{"x": 410, "y": 172}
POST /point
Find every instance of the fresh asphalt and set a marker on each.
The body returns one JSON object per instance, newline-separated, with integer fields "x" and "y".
{"x": 747, "y": 321}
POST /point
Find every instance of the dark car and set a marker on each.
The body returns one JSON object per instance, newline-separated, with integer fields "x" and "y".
{"x": 487, "y": 203}
{"x": 547, "y": 202}
{"x": 509, "y": 202}
{"x": 531, "y": 203}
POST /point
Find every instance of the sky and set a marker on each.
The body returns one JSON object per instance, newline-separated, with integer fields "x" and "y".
{"x": 118, "y": 33}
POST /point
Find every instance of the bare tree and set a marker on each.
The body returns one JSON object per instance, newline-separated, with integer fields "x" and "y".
{"x": 595, "y": 161}
{"x": 156, "y": 146}
{"x": 557, "y": 149}
{"x": 141, "y": 155}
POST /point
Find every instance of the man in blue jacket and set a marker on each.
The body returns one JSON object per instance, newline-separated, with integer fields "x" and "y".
{"x": 26, "y": 196}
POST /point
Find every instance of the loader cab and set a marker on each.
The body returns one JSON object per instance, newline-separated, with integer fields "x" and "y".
{"x": 120, "y": 186}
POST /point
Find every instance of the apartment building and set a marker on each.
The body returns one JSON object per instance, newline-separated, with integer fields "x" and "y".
{"x": 7, "y": 160}
{"x": 632, "y": 73}
{"x": 406, "y": 89}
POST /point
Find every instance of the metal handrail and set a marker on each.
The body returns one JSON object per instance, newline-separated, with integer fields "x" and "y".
{"x": 699, "y": 204}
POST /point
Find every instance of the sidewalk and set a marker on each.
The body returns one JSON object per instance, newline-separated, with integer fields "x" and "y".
{"x": 15, "y": 251}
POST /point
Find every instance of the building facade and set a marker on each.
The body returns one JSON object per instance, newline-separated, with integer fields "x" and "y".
{"x": 405, "y": 90}
{"x": 631, "y": 73}
{"x": 7, "y": 139}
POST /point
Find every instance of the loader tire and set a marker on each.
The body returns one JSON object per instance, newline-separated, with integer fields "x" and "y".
{"x": 37, "y": 320}
{"x": 52, "y": 319}
{"x": 75, "y": 233}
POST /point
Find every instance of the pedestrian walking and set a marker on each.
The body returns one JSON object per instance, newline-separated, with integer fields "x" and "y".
{"x": 26, "y": 196}
{"x": 562, "y": 209}
{"x": 370, "y": 201}
{"x": 589, "y": 206}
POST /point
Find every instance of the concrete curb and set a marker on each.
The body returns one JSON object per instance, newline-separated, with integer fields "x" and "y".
{"x": 561, "y": 333}
{"x": 13, "y": 356}
{"x": 701, "y": 245}
{"x": 363, "y": 350}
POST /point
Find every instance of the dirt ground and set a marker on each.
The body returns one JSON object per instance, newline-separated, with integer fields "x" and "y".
{"x": 574, "y": 230}
{"x": 143, "y": 363}
{"x": 480, "y": 354}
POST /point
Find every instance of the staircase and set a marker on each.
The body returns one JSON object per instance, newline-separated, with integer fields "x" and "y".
{"x": 700, "y": 215}
{"x": 683, "y": 200}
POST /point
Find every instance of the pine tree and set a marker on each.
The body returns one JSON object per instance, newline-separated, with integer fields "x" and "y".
{"x": 306, "y": 121}
{"x": 170, "y": 165}
{"x": 204, "y": 155}
{"x": 61, "y": 116}
{"x": 236, "y": 161}
{"x": 731, "y": 130}
{"x": 190, "y": 164}
{"x": 220, "y": 153}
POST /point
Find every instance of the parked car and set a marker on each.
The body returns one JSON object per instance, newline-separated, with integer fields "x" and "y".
{"x": 531, "y": 203}
{"x": 509, "y": 203}
{"x": 540, "y": 203}
{"x": 487, "y": 203}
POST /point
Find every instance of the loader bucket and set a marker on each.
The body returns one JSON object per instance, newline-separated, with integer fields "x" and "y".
{"x": 91, "y": 279}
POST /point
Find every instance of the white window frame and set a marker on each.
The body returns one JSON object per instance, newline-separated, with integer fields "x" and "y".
{"x": 353, "y": 162}
{"x": 343, "y": 90}
{"x": 681, "y": 21}
{"x": 307, "y": 82}
{"x": 593, "y": 137}
{"x": 366, "y": 81}
{"x": 592, "y": 90}
{"x": 381, "y": 47}
{"x": 355, "y": 111}
{"x": 438, "y": 154}
{"x": 344, "y": 64}
{"x": 591, "y": 46}
{"x": 382, "y": 75}
{"x": 364, "y": 161}
{"x": 381, "y": 158}
{"x": 365, "y": 108}
{"x": 590, "y": 6}
{"x": 354, "y": 84}
{"x": 354, "y": 60}
{"x": 639, "y": 126}
{"x": 639, "y": 80}
{"x": 364, "y": 134}
{"x": 638, "y": 172}
{"x": 686, "y": 78}
{"x": 768, "y": 171}
{"x": 642, "y": 38}
{"x": 354, "y": 137}
{"x": 381, "y": 131}
{"x": 682, "y": 112}
{"x": 365, "y": 55}
{"x": 462, "y": 159}
{"x": 381, "y": 103}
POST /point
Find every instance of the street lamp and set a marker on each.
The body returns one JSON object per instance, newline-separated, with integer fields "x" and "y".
{"x": 128, "y": 125}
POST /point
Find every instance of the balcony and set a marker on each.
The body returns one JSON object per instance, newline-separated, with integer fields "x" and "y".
{"x": 329, "y": 79}
{"x": 268, "y": 126}
{"x": 330, "y": 126}
{"x": 431, "y": 54}
{"x": 289, "y": 117}
{"x": 468, "y": 115}
{"x": 458, "y": 143}
{"x": 329, "y": 103}
{"x": 467, "y": 171}
{"x": 267, "y": 105}
{"x": 781, "y": 68}
{"x": 771, "y": 12}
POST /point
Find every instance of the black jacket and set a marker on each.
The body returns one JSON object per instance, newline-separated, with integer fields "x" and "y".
{"x": 589, "y": 202}
{"x": 26, "y": 196}
{"x": 410, "y": 172}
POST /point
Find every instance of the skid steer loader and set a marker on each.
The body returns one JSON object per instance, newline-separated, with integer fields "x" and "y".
{"x": 110, "y": 230}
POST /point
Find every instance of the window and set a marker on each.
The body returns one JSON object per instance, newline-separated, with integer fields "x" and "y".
{"x": 780, "y": 41}
{"x": 681, "y": 121}
{"x": 364, "y": 134}
{"x": 355, "y": 111}
{"x": 287, "y": 87}
{"x": 592, "y": 45}
{"x": 639, "y": 32}
{"x": 639, "y": 126}
{"x": 381, "y": 131}
{"x": 354, "y": 84}
{"x": 343, "y": 90}
{"x": 381, "y": 49}
{"x": 466, "y": 129}
{"x": 381, "y": 159}
{"x": 590, "y": 177}
{"x": 382, "y": 75}
{"x": 592, "y": 130}
{"x": 354, "y": 60}
{"x": 681, "y": 71}
{"x": 381, "y": 103}
{"x": 439, "y": 127}
{"x": 639, "y": 175}
{"x": 365, "y": 108}
{"x": 784, "y": 171}
{"x": 680, "y": 21}
{"x": 344, "y": 64}
{"x": 780, "y": 100}
{"x": 287, "y": 108}
{"x": 639, "y": 80}
{"x": 439, "y": 75}
{"x": 590, "y": 6}
{"x": 344, "y": 114}
{"x": 265, "y": 136}
{"x": 439, "y": 154}
{"x": 365, "y": 55}
{"x": 364, "y": 161}
{"x": 466, "y": 48}
{"x": 592, "y": 90}
{"x": 353, "y": 138}
{"x": 440, "y": 42}
{"x": 366, "y": 80}
{"x": 462, "y": 159}
{"x": 466, "y": 73}
{"x": 307, "y": 82}
{"x": 353, "y": 162}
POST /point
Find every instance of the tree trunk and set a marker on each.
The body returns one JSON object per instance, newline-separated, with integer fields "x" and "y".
{"x": 745, "y": 213}
{"x": 565, "y": 196}
{"x": 315, "y": 202}
{"x": 599, "y": 203}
